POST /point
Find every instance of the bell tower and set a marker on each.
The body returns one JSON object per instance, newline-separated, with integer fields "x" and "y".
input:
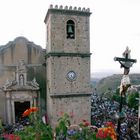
{"x": 68, "y": 63}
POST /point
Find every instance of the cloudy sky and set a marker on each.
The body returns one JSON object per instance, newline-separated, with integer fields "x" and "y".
{"x": 114, "y": 24}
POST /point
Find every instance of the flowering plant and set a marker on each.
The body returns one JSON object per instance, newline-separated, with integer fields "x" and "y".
{"x": 9, "y": 137}
{"x": 107, "y": 132}
{"x": 62, "y": 127}
{"x": 27, "y": 112}
{"x": 66, "y": 131}
{"x": 37, "y": 130}
{"x": 83, "y": 131}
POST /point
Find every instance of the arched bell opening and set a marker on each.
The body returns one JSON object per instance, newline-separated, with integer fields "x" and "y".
{"x": 70, "y": 28}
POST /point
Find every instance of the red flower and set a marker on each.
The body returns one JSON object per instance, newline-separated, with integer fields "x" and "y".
{"x": 85, "y": 122}
{"x": 33, "y": 109}
{"x": 110, "y": 124}
{"x": 106, "y": 132}
{"x": 27, "y": 112}
{"x": 102, "y": 133}
{"x": 11, "y": 137}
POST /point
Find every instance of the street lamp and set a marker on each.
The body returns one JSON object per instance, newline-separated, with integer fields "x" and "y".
{"x": 126, "y": 62}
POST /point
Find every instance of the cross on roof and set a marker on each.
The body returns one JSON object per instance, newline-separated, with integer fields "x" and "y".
{"x": 126, "y": 61}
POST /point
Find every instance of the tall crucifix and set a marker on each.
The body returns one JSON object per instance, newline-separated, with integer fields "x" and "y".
{"x": 126, "y": 63}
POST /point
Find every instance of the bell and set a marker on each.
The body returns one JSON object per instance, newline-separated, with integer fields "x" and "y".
{"x": 70, "y": 29}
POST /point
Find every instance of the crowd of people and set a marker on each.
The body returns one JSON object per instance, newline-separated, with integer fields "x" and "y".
{"x": 104, "y": 110}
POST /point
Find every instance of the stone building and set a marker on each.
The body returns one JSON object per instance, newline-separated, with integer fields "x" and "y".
{"x": 68, "y": 63}
{"x": 20, "y": 65}
{"x": 65, "y": 87}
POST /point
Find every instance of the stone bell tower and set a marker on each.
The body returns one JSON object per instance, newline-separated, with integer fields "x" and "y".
{"x": 68, "y": 63}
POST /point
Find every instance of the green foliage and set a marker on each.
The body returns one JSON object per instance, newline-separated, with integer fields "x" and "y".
{"x": 116, "y": 97}
{"x": 131, "y": 100}
{"x": 36, "y": 131}
{"x": 83, "y": 131}
{"x": 63, "y": 124}
{"x": 1, "y": 127}
{"x": 87, "y": 133}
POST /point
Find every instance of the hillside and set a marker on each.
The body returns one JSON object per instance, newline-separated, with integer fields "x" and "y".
{"x": 113, "y": 82}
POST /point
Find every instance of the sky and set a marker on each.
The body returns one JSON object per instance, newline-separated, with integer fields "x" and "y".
{"x": 114, "y": 24}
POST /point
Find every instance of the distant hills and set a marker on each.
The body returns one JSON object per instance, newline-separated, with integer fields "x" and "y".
{"x": 102, "y": 84}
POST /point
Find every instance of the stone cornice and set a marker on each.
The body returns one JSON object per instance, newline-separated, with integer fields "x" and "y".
{"x": 62, "y": 54}
{"x": 20, "y": 89}
{"x": 66, "y": 95}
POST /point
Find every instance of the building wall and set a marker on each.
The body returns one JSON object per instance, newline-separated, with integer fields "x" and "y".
{"x": 77, "y": 107}
{"x": 10, "y": 55}
{"x": 56, "y": 29}
{"x": 65, "y": 55}
{"x": 57, "y": 69}
{"x": 16, "y": 50}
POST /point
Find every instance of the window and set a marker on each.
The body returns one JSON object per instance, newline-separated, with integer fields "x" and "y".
{"x": 70, "y": 28}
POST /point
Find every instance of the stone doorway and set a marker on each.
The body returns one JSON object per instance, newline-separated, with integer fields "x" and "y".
{"x": 20, "y": 107}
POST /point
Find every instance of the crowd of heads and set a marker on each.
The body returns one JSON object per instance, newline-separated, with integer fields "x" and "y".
{"x": 104, "y": 110}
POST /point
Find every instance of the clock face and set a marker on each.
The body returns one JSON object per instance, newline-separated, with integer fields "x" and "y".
{"x": 71, "y": 75}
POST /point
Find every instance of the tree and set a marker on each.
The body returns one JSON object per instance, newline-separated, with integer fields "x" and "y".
{"x": 131, "y": 100}
{"x": 116, "y": 97}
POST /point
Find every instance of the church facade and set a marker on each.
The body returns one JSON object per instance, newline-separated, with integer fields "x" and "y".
{"x": 20, "y": 69}
{"x": 60, "y": 86}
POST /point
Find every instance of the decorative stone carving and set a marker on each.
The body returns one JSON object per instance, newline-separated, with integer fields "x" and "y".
{"x": 51, "y": 6}
{"x": 79, "y": 8}
{"x": 83, "y": 9}
{"x": 7, "y": 84}
{"x": 61, "y": 7}
{"x": 56, "y": 6}
{"x": 19, "y": 90}
{"x": 75, "y": 8}
{"x": 66, "y": 7}
{"x": 69, "y": 8}
{"x": 21, "y": 80}
{"x": 34, "y": 83}
{"x": 22, "y": 96}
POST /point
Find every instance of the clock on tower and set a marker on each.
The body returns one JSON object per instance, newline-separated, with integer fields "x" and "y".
{"x": 68, "y": 63}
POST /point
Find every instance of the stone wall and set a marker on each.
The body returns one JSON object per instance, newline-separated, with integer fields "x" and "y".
{"x": 57, "y": 69}
{"x": 12, "y": 52}
{"x": 64, "y": 55}
{"x": 10, "y": 55}
{"x": 77, "y": 107}
{"x": 56, "y": 30}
